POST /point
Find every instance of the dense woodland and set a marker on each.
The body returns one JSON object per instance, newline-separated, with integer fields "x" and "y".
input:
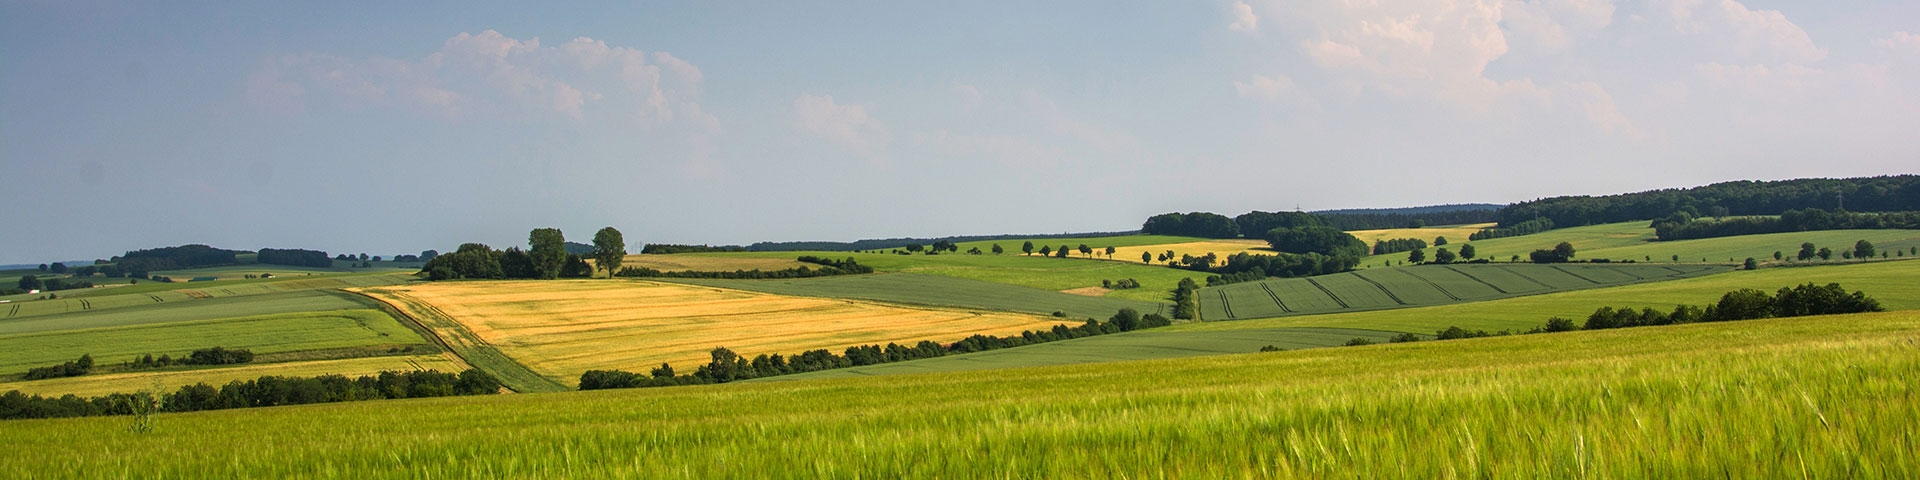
{"x": 667, "y": 248}
{"x": 139, "y": 263}
{"x": 727, "y": 366}
{"x": 828, "y": 267}
{"x": 1683, "y": 226}
{"x": 295, "y": 258}
{"x": 1415, "y": 217}
{"x": 546, "y": 260}
{"x": 892, "y": 243}
{"x": 1741, "y": 198}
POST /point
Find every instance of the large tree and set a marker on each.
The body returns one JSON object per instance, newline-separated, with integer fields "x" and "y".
{"x": 1466, "y": 251}
{"x": 609, "y": 249}
{"x": 1314, "y": 239}
{"x": 1028, "y": 248}
{"x": 549, "y": 251}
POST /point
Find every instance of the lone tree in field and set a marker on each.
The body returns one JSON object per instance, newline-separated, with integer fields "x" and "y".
{"x": 1417, "y": 255}
{"x": 1807, "y": 251}
{"x": 1027, "y": 248}
{"x": 1084, "y": 250}
{"x": 1438, "y": 241}
{"x": 1442, "y": 256}
{"x": 1564, "y": 250}
{"x": 609, "y": 249}
{"x": 1146, "y": 257}
{"x": 1825, "y": 253}
{"x": 1466, "y": 251}
{"x": 549, "y": 252}
{"x": 1110, "y": 251}
{"x": 997, "y": 250}
{"x": 1777, "y": 255}
{"x": 1861, "y": 249}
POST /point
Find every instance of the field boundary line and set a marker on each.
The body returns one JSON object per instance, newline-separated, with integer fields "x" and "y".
{"x": 1575, "y": 275}
{"x": 15, "y": 311}
{"x": 1275, "y": 297}
{"x": 1436, "y": 286}
{"x": 156, "y": 298}
{"x": 466, "y": 355}
{"x": 1535, "y": 282}
{"x": 1323, "y": 289}
{"x": 1383, "y": 288}
{"x": 1477, "y": 279}
{"x": 1629, "y": 272}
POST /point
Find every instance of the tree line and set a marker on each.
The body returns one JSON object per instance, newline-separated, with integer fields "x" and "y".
{"x": 892, "y": 243}
{"x": 1409, "y": 218}
{"x": 266, "y": 391}
{"x": 1740, "y": 198}
{"x": 1528, "y": 227}
{"x": 205, "y": 356}
{"x": 1397, "y": 245}
{"x": 668, "y": 248}
{"x": 828, "y": 267}
{"x": 294, "y": 257}
{"x": 139, "y": 263}
{"x": 1743, "y": 304}
{"x": 1684, "y": 226}
{"x": 546, "y": 259}
{"x": 727, "y": 366}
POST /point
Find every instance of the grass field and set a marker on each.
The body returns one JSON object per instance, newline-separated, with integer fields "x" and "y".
{"x": 1223, "y": 248}
{"x": 285, "y": 332}
{"x": 710, "y": 263}
{"x": 1421, "y": 286}
{"x": 560, "y": 329}
{"x": 1634, "y": 241}
{"x": 1816, "y": 397}
{"x": 939, "y": 291}
{"x": 171, "y": 380}
{"x": 1055, "y": 274}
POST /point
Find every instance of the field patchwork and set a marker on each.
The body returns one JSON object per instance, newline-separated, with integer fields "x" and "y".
{"x": 263, "y": 334}
{"x": 1424, "y": 285}
{"x": 940, "y": 291}
{"x": 168, "y": 381}
{"x": 560, "y": 329}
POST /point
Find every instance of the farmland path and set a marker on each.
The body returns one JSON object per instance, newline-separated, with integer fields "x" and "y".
{"x": 447, "y": 332}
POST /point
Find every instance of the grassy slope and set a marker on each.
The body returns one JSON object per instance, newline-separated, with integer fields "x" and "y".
{"x": 1422, "y": 286}
{"x": 1634, "y": 240}
{"x": 1895, "y": 284}
{"x": 1820, "y": 396}
{"x": 1054, "y": 274}
{"x": 287, "y": 332}
{"x": 939, "y": 291}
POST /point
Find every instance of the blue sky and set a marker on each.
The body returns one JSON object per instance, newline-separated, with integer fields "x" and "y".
{"x": 395, "y": 128}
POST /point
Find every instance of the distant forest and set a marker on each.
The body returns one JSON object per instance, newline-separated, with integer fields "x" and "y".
{"x": 891, "y": 243}
{"x": 1741, "y": 198}
{"x": 138, "y": 263}
{"x": 1384, "y": 218}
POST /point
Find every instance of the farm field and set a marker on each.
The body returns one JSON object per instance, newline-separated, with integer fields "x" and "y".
{"x": 939, "y": 291}
{"x": 1117, "y": 241}
{"x": 1422, "y": 285}
{"x": 1679, "y": 401}
{"x": 1454, "y": 233}
{"x": 559, "y": 329}
{"x": 680, "y": 262}
{"x": 1056, "y": 274}
{"x": 168, "y": 381}
{"x": 286, "y": 332}
{"x": 1634, "y": 241}
{"x": 1223, "y": 248}
{"x": 222, "y": 294}
{"x": 1896, "y": 286}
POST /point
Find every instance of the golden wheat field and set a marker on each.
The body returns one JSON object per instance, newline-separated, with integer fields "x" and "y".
{"x": 169, "y": 381}
{"x": 1222, "y": 247}
{"x": 563, "y": 328}
{"x": 1454, "y": 233}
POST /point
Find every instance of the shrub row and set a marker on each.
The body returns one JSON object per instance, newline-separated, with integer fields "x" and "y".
{"x": 265, "y": 392}
{"x": 828, "y": 268}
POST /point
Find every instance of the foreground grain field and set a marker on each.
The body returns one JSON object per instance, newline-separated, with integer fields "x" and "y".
{"x": 560, "y": 329}
{"x": 1820, "y": 397}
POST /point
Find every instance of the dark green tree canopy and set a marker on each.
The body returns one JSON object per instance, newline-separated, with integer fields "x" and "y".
{"x": 1195, "y": 224}
{"x": 609, "y": 250}
{"x": 1315, "y": 239}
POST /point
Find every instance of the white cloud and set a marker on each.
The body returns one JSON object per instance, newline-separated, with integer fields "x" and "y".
{"x": 1266, "y": 88}
{"x": 490, "y": 72}
{"x": 1905, "y": 42}
{"x": 1744, "y": 33}
{"x": 846, "y": 125}
{"x": 1243, "y": 18}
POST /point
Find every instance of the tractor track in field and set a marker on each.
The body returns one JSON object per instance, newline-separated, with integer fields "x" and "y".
{"x": 1477, "y": 279}
{"x": 1436, "y": 286}
{"x": 1323, "y": 289}
{"x": 1535, "y": 282}
{"x": 1275, "y": 297}
{"x": 1226, "y": 305}
{"x": 14, "y": 311}
{"x": 471, "y": 350}
{"x": 1383, "y": 288}
{"x": 156, "y": 299}
{"x": 1576, "y": 275}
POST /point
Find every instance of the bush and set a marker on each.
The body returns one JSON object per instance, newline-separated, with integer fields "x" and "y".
{"x": 1359, "y": 341}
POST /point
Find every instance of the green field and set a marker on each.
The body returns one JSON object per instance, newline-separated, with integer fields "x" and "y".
{"x": 1818, "y": 396}
{"x": 939, "y": 291}
{"x": 263, "y": 334}
{"x": 1054, "y": 274}
{"x": 1634, "y": 241}
{"x": 1422, "y": 285}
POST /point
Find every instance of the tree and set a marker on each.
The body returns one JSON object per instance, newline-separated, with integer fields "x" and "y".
{"x": 1110, "y": 251}
{"x": 43, "y": 267}
{"x": 1417, "y": 224}
{"x": 1314, "y": 239}
{"x": 1146, "y": 257}
{"x": 1825, "y": 253}
{"x": 62, "y": 268}
{"x": 1084, "y": 250}
{"x": 725, "y": 365}
{"x": 1027, "y": 248}
{"x": 1061, "y": 252}
{"x": 1438, "y": 241}
{"x": 1676, "y": 258}
{"x": 1777, "y": 256}
{"x": 30, "y": 282}
{"x": 915, "y": 248}
{"x": 1564, "y": 250}
{"x": 1443, "y": 256}
{"x": 1861, "y": 249}
{"x": 1466, "y": 251}
{"x": 609, "y": 250}
{"x": 1044, "y": 250}
{"x": 1751, "y": 264}
{"x": 1417, "y": 255}
{"x": 427, "y": 255}
{"x": 997, "y": 250}
{"x": 1807, "y": 251}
